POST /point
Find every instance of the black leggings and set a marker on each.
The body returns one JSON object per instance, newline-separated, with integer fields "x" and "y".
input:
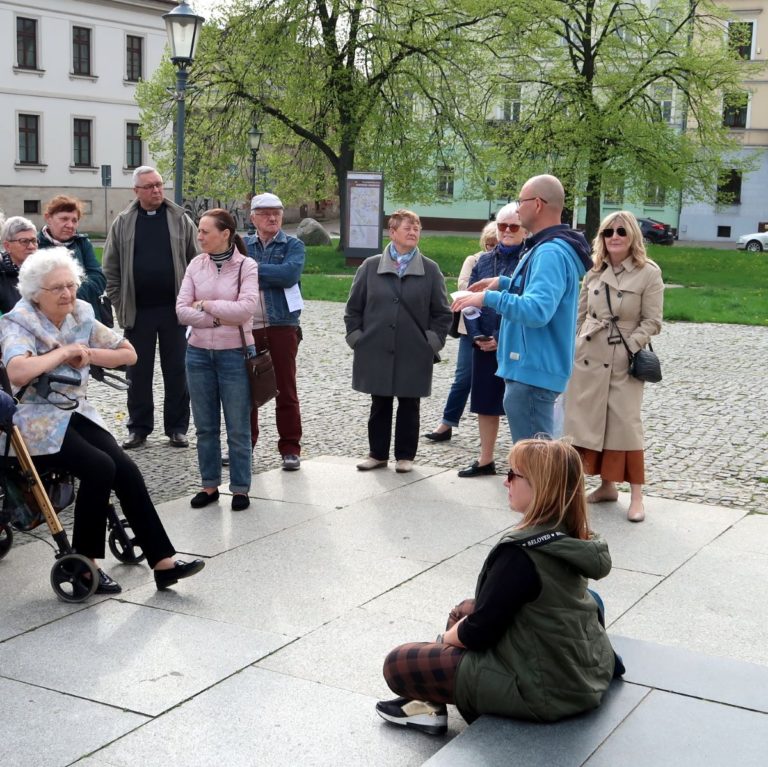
{"x": 94, "y": 457}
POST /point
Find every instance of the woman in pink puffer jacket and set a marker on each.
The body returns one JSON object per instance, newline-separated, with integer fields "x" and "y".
{"x": 218, "y": 297}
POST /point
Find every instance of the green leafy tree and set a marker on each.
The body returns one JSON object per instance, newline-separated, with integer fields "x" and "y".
{"x": 336, "y": 85}
{"x": 618, "y": 94}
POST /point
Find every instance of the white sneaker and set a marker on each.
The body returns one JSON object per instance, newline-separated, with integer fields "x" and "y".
{"x": 431, "y": 718}
{"x": 403, "y": 466}
{"x": 371, "y": 463}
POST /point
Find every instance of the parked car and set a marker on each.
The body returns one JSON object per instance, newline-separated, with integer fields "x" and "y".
{"x": 655, "y": 231}
{"x": 753, "y": 242}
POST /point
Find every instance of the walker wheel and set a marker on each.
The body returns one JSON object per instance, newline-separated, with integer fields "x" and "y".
{"x": 74, "y": 578}
{"x": 6, "y": 539}
{"x": 123, "y": 545}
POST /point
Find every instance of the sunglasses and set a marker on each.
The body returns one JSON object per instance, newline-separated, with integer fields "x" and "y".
{"x": 502, "y": 227}
{"x": 620, "y": 231}
{"x": 511, "y": 474}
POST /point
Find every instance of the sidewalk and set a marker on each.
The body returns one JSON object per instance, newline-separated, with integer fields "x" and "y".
{"x": 272, "y": 655}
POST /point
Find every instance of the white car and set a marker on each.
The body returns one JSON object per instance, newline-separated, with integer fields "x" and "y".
{"x": 753, "y": 242}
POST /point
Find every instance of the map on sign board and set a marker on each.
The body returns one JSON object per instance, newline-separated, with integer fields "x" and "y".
{"x": 364, "y": 215}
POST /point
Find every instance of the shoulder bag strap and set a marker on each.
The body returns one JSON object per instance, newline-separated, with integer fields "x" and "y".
{"x": 406, "y": 307}
{"x": 616, "y": 327}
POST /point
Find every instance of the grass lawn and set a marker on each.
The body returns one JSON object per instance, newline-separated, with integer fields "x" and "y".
{"x": 725, "y": 286}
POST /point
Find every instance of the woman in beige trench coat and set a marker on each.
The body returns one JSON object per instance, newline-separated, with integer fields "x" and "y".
{"x": 602, "y": 402}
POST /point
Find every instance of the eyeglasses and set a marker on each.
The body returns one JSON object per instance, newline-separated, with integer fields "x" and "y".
{"x": 521, "y": 200}
{"x": 502, "y": 227}
{"x": 511, "y": 474}
{"x": 149, "y": 187}
{"x": 25, "y": 241}
{"x": 70, "y": 287}
{"x": 620, "y": 231}
{"x": 268, "y": 213}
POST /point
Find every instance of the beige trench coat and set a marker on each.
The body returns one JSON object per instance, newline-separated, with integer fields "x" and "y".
{"x": 602, "y": 401}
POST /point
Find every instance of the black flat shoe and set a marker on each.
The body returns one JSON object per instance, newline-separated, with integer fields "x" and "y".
{"x": 240, "y": 502}
{"x": 177, "y": 439}
{"x": 440, "y": 436}
{"x": 166, "y": 578}
{"x": 203, "y": 499}
{"x": 475, "y": 470}
{"x": 107, "y": 585}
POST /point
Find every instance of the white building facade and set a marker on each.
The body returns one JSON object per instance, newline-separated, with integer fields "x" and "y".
{"x": 68, "y": 75}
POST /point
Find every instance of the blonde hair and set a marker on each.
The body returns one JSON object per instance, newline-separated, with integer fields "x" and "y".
{"x": 489, "y": 231}
{"x": 554, "y": 471}
{"x": 636, "y": 245}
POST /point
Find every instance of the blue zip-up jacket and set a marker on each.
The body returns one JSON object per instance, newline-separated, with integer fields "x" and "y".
{"x": 493, "y": 264}
{"x": 538, "y": 308}
{"x": 280, "y": 266}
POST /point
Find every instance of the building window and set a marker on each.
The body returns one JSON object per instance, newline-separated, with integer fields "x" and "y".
{"x": 29, "y": 139}
{"x": 511, "y": 106}
{"x": 445, "y": 177}
{"x": 729, "y": 188}
{"x": 31, "y": 206}
{"x": 613, "y": 193}
{"x": 132, "y": 146}
{"x": 26, "y": 43}
{"x": 740, "y": 38}
{"x": 134, "y": 47}
{"x": 663, "y": 98}
{"x": 735, "y": 110}
{"x": 655, "y": 195}
{"x": 723, "y": 231}
{"x": 82, "y": 143}
{"x": 81, "y": 51}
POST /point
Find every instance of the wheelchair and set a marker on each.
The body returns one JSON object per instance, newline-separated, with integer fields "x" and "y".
{"x": 29, "y": 499}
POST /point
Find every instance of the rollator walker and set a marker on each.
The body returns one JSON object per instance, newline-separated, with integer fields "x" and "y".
{"x": 73, "y": 577}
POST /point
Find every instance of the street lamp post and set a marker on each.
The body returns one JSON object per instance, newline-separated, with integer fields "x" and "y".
{"x": 183, "y": 27}
{"x": 254, "y": 141}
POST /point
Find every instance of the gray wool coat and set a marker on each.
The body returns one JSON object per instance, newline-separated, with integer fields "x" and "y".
{"x": 393, "y": 353}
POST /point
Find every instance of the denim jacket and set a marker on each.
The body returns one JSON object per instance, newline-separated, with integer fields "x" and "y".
{"x": 280, "y": 267}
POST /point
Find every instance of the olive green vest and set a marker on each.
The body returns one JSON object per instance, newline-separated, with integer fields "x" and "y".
{"x": 554, "y": 660}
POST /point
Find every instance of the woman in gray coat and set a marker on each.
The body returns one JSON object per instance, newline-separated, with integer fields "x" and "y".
{"x": 397, "y": 317}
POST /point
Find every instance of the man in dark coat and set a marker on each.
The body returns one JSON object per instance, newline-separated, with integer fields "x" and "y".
{"x": 397, "y": 317}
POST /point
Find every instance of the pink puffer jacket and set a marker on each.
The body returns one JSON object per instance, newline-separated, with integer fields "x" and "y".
{"x": 203, "y": 281}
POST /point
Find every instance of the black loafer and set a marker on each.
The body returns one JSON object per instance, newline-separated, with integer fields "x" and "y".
{"x": 181, "y": 569}
{"x": 178, "y": 440}
{"x": 203, "y": 499}
{"x": 475, "y": 470}
{"x": 240, "y": 502}
{"x": 440, "y": 436}
{"x": 134, "y": 441}
{"x": 107, "y": 585}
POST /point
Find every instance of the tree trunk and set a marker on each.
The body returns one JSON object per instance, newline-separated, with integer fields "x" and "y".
{"x": 346, "y": 162}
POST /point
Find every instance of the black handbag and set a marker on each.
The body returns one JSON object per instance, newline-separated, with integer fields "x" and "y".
{"x": 104, "y": 311}
{"x": 644, "y": 364}
{"x": 453, "y": 331}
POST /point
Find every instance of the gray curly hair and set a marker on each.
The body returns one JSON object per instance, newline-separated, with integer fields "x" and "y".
{"x": 41, "y": 263}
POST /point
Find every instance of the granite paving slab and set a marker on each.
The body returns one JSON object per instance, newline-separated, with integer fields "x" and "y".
{"x": 494, "y": 741}
{"x": 716, "y": 603}
{"x": 259, "y": 717}
{"x": 472, "y": 492}
{"x": 675, "y": 670}
{"x": 133, "y": 657}
{"x": 621, "y": 590}
{"x": 333, "y": 483}
{"x": 668, "y": 730}
{"x": 672, "y": 532}
{"x": 47, "y": 729}
{"x": 291, "y": 582}
{"x": 216, "y": 528}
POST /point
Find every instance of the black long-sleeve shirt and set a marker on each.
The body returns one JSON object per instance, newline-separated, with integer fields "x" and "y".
{"x": 511, "y": 580}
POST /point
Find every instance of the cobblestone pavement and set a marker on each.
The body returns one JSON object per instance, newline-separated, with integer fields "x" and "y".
{"x": 706, "y": 422}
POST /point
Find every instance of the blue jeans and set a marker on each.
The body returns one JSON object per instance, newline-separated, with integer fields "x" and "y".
{"x": 530, "y": 410}
{"x": 462, "y": 383}
{"x": 217, "y": 380}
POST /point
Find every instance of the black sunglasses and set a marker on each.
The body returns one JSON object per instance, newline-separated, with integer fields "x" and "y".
{"x": 620, "y": 231}
{"x": 511, "y": 474}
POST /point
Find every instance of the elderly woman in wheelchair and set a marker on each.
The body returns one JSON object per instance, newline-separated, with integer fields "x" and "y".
{"x": 51, "y": 333}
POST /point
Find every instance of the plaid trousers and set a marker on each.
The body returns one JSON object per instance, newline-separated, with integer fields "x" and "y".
{"x": 427, "y": 670}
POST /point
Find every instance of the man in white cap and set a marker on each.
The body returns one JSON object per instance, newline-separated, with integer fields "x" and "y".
{"x": 276, "y": 323}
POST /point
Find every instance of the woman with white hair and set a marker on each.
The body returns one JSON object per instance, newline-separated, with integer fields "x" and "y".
{"x": 51, "y": 331}
{"x": 19, "y": 241}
